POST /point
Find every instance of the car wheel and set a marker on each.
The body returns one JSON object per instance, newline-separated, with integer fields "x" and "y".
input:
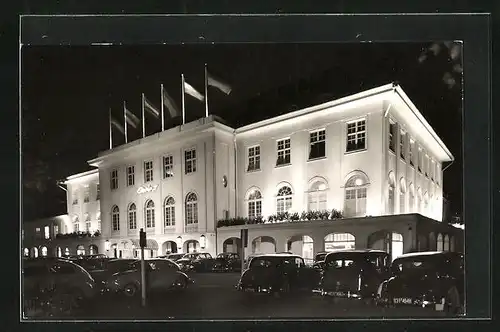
{"x": 130, "y": 290}
{"x": 452, "y": 302}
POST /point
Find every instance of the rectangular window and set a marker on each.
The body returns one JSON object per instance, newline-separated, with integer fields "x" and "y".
{"x": 402, "y": 146}
{"x": 114, "y": 179}
{"x": 169, "y": 216}
{"x": 130, "y": 176}
{"x": 317, "y": 142}
{"x": 438, "y": 174}
{"x": 392, "y": 136}
{"x": 56, "y": 229}
{"x": 419, "y": 160}
{"x": 132, "y": 219}
{"x": 284, "y": 152}
{"x": 190, "y": 161}
{"x": 86, "y": 194}
{"x": 87, "y": 226}
{"x": 75, "y": 197}
{"x": 38, "y": 233}
{"x": 433, "y": 168}
{"x": 356, "y": 135}
{"x": 98, "y": 192}
{"x": 253, "y": 158}
{"x": 426, "y": 166}
{"x": 47, "y": 232}
{"x": 254, "y": 209}
{"x": 148, "y": 171}
{"x": 168, "y": 167}
{"x": 77, "y": 227}
{"x": 410, "y": 151}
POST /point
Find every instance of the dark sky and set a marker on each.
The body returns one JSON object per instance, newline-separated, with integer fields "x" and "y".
{"x": 66, "y": 93}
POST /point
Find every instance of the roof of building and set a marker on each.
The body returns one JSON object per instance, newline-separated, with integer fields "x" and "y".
{"x": 81, "y": 175}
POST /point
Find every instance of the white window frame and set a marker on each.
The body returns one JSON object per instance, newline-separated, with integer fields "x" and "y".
{"x": 97, "y": 192}
{"x": 130, "y": 175}
{"x": 317, "y": 136}
{"x": 75, "y": 196}
{"x": 420, "y": 153}
{"x": 132, "y": 217}
{"x": 149, "y": 214}
{"x": 318, "y": 197}
{"x": 284, "y": 201}
{"x": 254, "y": 204}
{"x": 169, "y": 208}
{"x": 115, "y": 218}
{"x": 190, "y": 160}
{"x": 392, "y": 136}
{"x": 168, "y": 166}
{"x": 283, "y": 151}
{"x": 411, "y": 148}
{"x": 113, "y": 178}
{"x": 357, "y": 135}
{"x": 402, "y": 145}
{"x": 191, "y": 208}
{"x": 253, "y": 158}
{"x": 86, "y": 193}
{"x": 148, "y": 171}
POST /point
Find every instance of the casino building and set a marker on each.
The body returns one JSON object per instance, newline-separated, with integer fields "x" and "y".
{"x": 361, "y": 171}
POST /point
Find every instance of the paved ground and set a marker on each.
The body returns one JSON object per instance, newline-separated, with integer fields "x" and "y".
{"x": 213, "y": 296}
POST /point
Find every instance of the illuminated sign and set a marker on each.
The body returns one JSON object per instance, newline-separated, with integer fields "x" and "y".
{"x": 146, "y": 189}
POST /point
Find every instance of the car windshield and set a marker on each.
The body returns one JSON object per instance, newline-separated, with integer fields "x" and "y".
{"x": 320, "y": 257}
{"x": 350, "y": 260}
{"x": 414, "y": 265}
{"x": 270, "y": 262}
{"x": 191, "y": 256}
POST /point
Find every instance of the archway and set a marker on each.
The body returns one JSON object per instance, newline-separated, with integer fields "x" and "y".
{"x": 191, "y": 246}
{"x": 264, "y": 245}
{"x": 44, "y": 251}
{"x": 339, "y": 241}
{"x": 58, "y": 252}
{"x": 432, "y": 241}
{"x": 232, "y": 244}
{"x": 93, "y": 249}
{"x": 114, "y": 248}
{"x": 391, "y": 242}
{"x": 169, "y": 247}
{"x": 80, "y": 250}
{"x": 67, "y": 252}
{"x": 34, "y": 252}
{"x": 26, "y": 252}
{"x": 301, "y": 245}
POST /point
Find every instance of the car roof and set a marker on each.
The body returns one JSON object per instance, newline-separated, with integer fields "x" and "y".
{"x": 429, "y": 253}
{"x": 278, "y": 255}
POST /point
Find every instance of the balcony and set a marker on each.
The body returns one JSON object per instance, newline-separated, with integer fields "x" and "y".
{"x": 191, "y": 228}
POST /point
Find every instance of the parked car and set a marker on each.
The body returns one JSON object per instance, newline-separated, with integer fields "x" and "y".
{"x": 161, "y": 274}
{"x": 426, "y": 279}
{"x": 173, "y": 257}
{"x": 354, "y": 273}
{"x": 196, "y": 262}
{"x": 227, "y": 262}
{"x": 63, "y": 280}
{"x": 276, "y": 274}
{"x": 110, "y": 267}
{"x": 248, "y": 260}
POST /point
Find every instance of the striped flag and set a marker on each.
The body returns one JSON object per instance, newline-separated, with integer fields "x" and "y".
{"x": 131, "y": 118}
{"x": 117, "y": 125}
{"x": 192, "y": 92}
{"x": 222, "y": 86}
{"x": 170, "y": 104}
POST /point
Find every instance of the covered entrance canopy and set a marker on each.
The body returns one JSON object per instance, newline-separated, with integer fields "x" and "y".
{"x": 150, "y": 244}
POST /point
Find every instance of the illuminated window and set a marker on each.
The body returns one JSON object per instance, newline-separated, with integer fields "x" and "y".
{"x": 446, "y": 243}
{"x": 47, "y": 232}
{"x": 66, "y": 251}
{"x": 75, "y": 197}
{"x": 191, "y": 213}
{"x": 168, "y": 167}
{"x": 254, "y": 204}
{"x": 76, "y": 227}
{"x": 86, "y": 194}
{"x": 114, "y": 179}
{"x": 38, "y": 233}
{"x": 402, "y": 147}
{"x": 284, "y": 152}
{"x": 98, "y": 192}
{"x": 356, "y": 135}
{"x": 317, "y": 144}
{"x": 115, "y": 218}
{"x": 169, "y": 212}
{"x": 402, "y": 195}
{"x": 392, "y": 136}
{"x": 132, "y": 217}
{"x": 190, "y": 161}
{"x": 44, "y": 251}
{"x": 148, "y": 171}
{"x": 339, "y": 241}
{"x": 26, "y": 252}
{"x": 253, "y": 158}
{"x": 411, "y": 146}
{"x": 317, "y": 198}
{"x": 76, "y": 224}
{"x": 355, "y": 196}
{"x": 80, "y": 250}
{"x": 440, "y": 242}
{"x": 284, "y": 199}
{"x": 56, "y": 229}
{"x": 150, "y": 214}
{"x": 130, "y": 176}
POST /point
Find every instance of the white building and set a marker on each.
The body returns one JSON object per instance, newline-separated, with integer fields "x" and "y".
{"x": 371, "y": 155}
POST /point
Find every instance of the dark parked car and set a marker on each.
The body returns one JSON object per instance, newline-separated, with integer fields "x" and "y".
{"x": 354, "y": 273}
{"x": 227, "y": 262}
{"x": 278, "y": 273}
{"x": 426, "y": 279}
{"x": 173, "y": 257}
{"x": 197, "y": 262}
{"x": 110, "y": 267}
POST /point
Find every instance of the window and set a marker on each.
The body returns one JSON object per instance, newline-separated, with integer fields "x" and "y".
{"x": 391, "y": 187}
{"x": 132, "y": 217}
{"x": 392, "y": 136}
{"x": 115, "y": 218}
{"x": 86, "y": 194}
{"x": 150, "y": 214}
{"x": 191, "y": 213}
{"x": 56, "y": 229}
{"x": 402, "y": 151}
{"x": 98, "y": 192}
{"x": 88, "y": 225}
{"x": 284, "y": 151}
{"x": 148, "y": 171}
{"x": 254, "y": 204}
{"x": 114, "y": 179}
{"x": 46, "y": 231}
{"x": 253, "y": 158}
{"x": 284, "y": 199}
{"x": 75, "y": 197}
{"x": 76, "y": 227}
{"x": 356, "y": 135}
{"x": 419, "y": 160}
{"x": 426, "y": 166}
{"x": 433, "y": 169}
{"x": 402, "y": 195}
{"x": 339, "y": 241}
{"x": 38, "y": 233}
{"x": 355, "y": 196}
{"x": 411, "y": 203}
{"x": 317, "y": 197}
{"x": 438, "y": 173}
{"x": 169, "y": 212}
{"x": 168, "y": 167}
{"x": 317, "y": 142}
{"x": 190, "y": 161}
{"x": 130, "y": 176}
{"x": 440, "y": 242}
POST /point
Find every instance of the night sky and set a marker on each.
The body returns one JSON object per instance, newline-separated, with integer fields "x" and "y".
{"x": 67, "y": 91}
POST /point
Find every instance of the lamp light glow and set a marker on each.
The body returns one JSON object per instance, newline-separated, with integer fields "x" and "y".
{"x": 203, "y": 241}
{"x": 106, "y": 245}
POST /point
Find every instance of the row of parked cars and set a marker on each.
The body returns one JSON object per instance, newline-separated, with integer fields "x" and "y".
{"x": 424, "y": 279}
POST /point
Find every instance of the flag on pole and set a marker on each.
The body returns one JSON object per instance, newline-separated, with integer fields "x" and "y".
{"x": 118, "y": 125}
{"x": 188, "y": 88}
{"x": 170, "y": 104}
{"x": 131, "y": 118}
{"x": 125, "y": 121}
{"x": 148, "y": 106}
{"x": 216, "y": 83}
{"x": 110, "y": 131}
{"x": 183, "y": 99}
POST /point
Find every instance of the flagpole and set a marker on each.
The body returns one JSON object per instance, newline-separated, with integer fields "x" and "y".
{"x": 162, "y": 112}
{"x": 183, "y": 101}
{"x": 143, "y": 119}
{"x": 110, "y": 131}
{"x": 125, "y": 117}
{"x": 206, "y": 91}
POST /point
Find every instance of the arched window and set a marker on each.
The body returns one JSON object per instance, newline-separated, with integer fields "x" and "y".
{"x": 26, "y": 252}
{"x": 390, "y": 190}
{"x": 254, "y": 204}
{"x": 169, "y": 212}
{"x": 191, "y": 213}
{"x": 355, "y": 195}
{"x": 150, "y": 214}
{"x": 439, "y": 245}
{"x": 132, "y": 217}
{"x": 44, "y": 251}
{"x": 402, "y": 195}
{"x": 339, "y": 241}
{"x": 284, "y": 199}
{"x": 446, "y": 245}
{"x": 316, "y": 197}
{"x": 115, "y": 218}
{"x": 411, "y": 202}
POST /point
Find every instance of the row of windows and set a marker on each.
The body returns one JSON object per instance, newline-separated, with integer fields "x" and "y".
{"x": 86, "y": 194}
{"x": 191, "y": 210}
{"x": 167, "y": 169}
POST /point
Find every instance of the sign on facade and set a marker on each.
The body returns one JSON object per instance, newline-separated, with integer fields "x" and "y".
{"x": 147, "y": 188}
